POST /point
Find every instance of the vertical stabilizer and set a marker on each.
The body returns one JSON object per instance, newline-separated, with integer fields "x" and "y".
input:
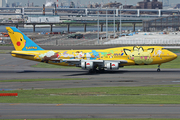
{"x": 20, "y": 41}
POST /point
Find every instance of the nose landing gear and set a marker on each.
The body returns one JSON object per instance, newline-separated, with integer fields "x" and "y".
{"x": 158, "y": 70}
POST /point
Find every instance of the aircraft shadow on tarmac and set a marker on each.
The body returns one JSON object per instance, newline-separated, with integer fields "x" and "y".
{"x": 122, "y": 72}
{"x": 37, "y": 71}
{"x": 97, "y": 73}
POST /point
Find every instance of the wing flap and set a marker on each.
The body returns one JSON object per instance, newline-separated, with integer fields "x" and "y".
{"x": 78, "y": 61}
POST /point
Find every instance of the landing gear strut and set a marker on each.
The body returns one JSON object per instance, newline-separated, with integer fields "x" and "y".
{"x": 158, "y": 70}
{"x": 92, "y": 70}
{"x": 96, "y": 70}
{"x": 100, "y": 69}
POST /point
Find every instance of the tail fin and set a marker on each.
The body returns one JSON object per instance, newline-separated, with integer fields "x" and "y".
{"x": 20, "y": 41}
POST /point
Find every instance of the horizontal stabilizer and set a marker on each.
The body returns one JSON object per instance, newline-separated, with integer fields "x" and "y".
{"x": 23, "y": 54}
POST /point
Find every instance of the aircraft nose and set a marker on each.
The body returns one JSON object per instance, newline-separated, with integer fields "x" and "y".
{"x": 175, "y": 56}
{"x": 171, "y": 56}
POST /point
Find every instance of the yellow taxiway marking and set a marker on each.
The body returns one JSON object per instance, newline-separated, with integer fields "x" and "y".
{"x": 15, "y": 104}
{"x": 59, "y": 104}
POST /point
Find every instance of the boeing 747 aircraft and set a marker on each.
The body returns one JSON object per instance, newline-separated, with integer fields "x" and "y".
{"x": 92, "y": 60}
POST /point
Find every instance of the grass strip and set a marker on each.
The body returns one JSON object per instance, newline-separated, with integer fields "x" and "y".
{"x": 162, "y": 94}
{"x": 5, "y": 51}
{"x": 42, "y": 79}
{"x": 174, "y": 50}
{"x": 6, "y": 44}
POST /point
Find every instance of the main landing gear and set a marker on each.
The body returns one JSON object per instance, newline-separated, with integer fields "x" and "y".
{"x": 92, "y": 71}
{"x": 96, "y": 70}
{"x": 158, "y": 70}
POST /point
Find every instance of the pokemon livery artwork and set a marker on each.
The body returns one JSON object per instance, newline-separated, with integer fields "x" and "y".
{"x": 139, "y": 55}
{"x": 92, "y": 60}
{"x": 21, "y": 41}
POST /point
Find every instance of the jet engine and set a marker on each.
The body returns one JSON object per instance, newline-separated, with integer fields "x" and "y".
{"x": 112, "y": 66}
{"x": 87, "y": 65}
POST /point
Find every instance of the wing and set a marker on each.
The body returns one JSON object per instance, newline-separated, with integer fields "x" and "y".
{"x": 78, "y": 61}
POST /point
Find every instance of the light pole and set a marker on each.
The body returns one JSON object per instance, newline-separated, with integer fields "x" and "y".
{"x": 98, "y": 26}
{"x": 114, "y": 24}
{"x": 120, "y": 7}
{"x": 106, "y": 26}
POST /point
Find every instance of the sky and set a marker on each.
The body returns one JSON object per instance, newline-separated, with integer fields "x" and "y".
{"x": 130, "y": 2}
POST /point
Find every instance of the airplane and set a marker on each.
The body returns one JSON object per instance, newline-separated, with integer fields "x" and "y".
{"x": 92, "y": 60}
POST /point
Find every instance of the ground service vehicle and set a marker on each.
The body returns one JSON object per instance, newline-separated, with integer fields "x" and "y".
{"x": 77, "y": 36}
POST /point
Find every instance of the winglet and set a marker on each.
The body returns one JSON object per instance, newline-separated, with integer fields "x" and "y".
{"x": 20, "y": 41}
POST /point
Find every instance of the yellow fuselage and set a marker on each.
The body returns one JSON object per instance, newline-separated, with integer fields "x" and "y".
{"x": 145, "y": 55}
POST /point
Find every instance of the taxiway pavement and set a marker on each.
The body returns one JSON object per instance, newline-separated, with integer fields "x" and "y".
{"x": 34, "y": 111}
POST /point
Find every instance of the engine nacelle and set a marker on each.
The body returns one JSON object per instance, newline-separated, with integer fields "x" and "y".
{"x": 112, "y": 66}
{"x": 87, "y": 65}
